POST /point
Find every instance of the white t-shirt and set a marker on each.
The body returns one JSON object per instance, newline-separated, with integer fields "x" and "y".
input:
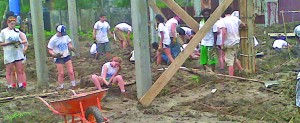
{"x": 11, "y": 53}
{"x": 255, "y": 41}
{"x": 188, "y": 31}
{"x": 219, "y": 25}
{"x": 132, "y": 56}
{"x": 169, "y": 25}
{"x": 297, "y": 31}
{"x": 110, "y": 70}
{"x": 184, "y": 46}
{"x": 279, "y": 43}
{"x": 93, "y": 49}
{"x": 124, "y": 27}
{"x": 208, "y": 40}
{"x": 162, "y": 28}
{"x": 232, "y": 23}
{"x": 60, "y": 45}
{"x": 236, "y": 14}
{"x": 101, "y": 31}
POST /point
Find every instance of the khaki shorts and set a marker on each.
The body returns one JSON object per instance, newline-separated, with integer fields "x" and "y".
{"x": 119, "y": 34}
{"x": 230, "y": 54}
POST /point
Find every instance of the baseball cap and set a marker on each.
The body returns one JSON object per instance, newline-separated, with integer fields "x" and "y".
{"x": 62, "y": 29}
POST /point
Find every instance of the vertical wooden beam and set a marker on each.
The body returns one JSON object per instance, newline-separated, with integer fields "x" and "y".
{"x": 73, "y": 23}
{"x": 173, "y": 68}
{"x": 247, "y": 34}
{"x": 244, "y": 34}
{"x": 39, "y": 42}
{"x": 182, "y": 14}
{"x": 152, "y": 4}
{"x": 141, "y": 46}
{"x": 251, "y": 30}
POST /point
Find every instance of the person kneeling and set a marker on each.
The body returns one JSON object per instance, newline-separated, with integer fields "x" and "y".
{"x": 109, "y": 75}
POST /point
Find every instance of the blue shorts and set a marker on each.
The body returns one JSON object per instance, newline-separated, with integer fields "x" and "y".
{"x": 62, "y": 60}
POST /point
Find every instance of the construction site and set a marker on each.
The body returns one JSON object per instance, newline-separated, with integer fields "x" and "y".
{"x": 179, "y": 91}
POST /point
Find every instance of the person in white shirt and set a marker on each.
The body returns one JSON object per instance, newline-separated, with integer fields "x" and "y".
{"x": 11, "y": 40}
{"x": 185, "y": 33}
{"x": 58, "y": 47}
{"x": 100, "y": 31}
{"x": 195, "y": 55}
{"x": 219, "y": 24}
{"x": 165, "y": 41}
{"x": 279, "y": 44}
{"x": 231, "y": 40}
{"x": 171, "y": 25}
{"x": 297, "y": 32}
{"x": 132, "y": 59}
{"x": 208, "y": 42}
{"x": 119, "y": 29}
{"x": 93, "y": 50}
{"x": 24, "y": 47}
{"x": 109, "y": 75}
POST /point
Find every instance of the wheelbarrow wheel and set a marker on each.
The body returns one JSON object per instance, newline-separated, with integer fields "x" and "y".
{"x": 93, "y": 114}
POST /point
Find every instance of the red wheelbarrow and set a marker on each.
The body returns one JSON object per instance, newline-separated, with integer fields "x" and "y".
{"x": 85, "y": 106}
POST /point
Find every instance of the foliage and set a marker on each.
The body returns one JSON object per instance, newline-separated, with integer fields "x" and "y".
{"x": 25, "y": 6}
{"x": 161, "y": 4}
{"x": 3, "y": 5}
{"x": 122, "y": 3}
{"x": 196, "y": 79}
{"x": 16, "y": 115}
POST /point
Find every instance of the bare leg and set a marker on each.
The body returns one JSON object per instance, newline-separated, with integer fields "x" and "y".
{"x": 14, "y": 77}
{"x": 238, "y": 63}
{"x": 20, "y": 71}
{"x": 70, "y": 70}
{"x": 60, "y": 72}
{"x": 97, "y": 81}
{"x": 158, "y": 59}
{"x": 168, "y": 53}
{"x": 221, "y": 58}
{"x": 107, "y": 55}
{"x": 8, "y": 68}
{"x": 124, "y": 43}
{"x": 118, "y": 79}
{"x": 231, "y": 70}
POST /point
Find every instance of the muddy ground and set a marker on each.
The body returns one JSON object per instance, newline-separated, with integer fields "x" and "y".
{"x": 234, "y": 100}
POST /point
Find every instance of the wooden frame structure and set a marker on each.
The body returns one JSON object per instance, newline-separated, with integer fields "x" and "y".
{"x": 173, "y": 68}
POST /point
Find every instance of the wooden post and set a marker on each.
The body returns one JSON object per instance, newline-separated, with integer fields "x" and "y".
{"x": 153, "y": 6}
{"x": 39, "y": 42}
{"x": 244, "y": 34}
{"x": 251, "y": 30}
{"x": 153, "y": 24}
{"x": 141, "y": 46}
{"x": 182, "y": 14}
{"x": 173, "y": 68}
{"x": 247, "y": 35}
{"x": 72, "y": 12}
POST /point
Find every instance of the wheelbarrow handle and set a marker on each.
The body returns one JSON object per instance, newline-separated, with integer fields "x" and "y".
{"x": 49, "y": 106}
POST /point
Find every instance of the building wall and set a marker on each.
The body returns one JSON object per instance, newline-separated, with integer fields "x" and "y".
{"x": 289, "y": 5}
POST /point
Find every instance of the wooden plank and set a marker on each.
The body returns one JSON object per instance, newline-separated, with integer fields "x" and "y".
{"x": 155, "y": 8}
{"x": 276, "y": 34}
{"x": 173, "y": 68}
{"x": 182, "y": 14}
